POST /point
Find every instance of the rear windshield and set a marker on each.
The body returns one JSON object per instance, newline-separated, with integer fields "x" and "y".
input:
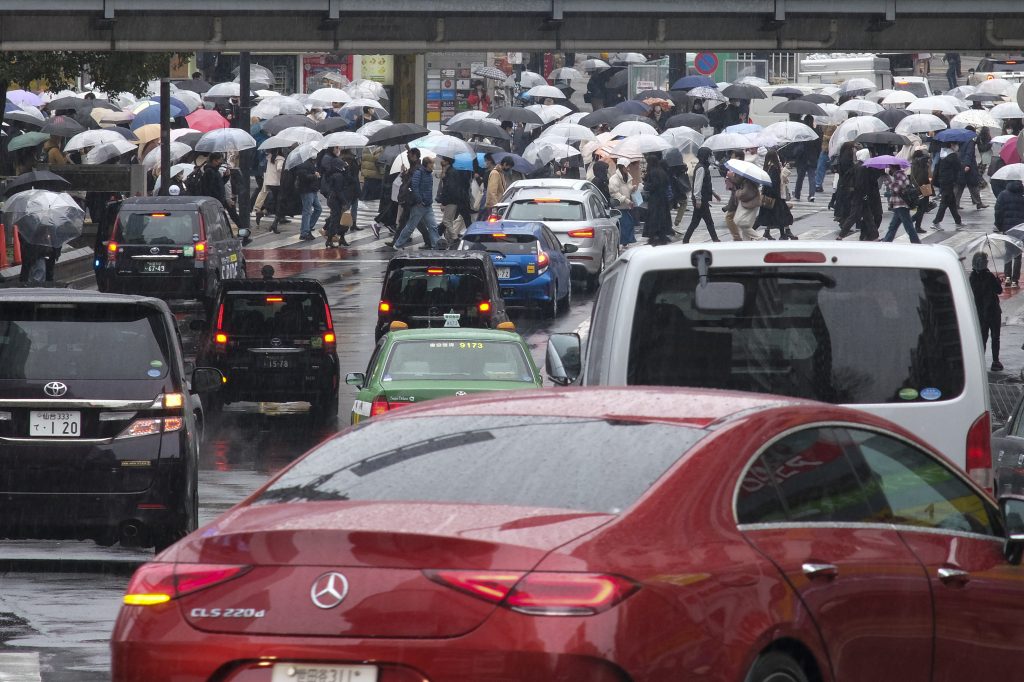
{"x": 458, "y": 284}
{"x": 484, "y": 459}
{"x": 846, "y": 335}
{"x": 170, "y": 227}
{"x": 914, "y": 88}
{"x": 270, "y": 314}
{"x": 505, "y": 244}
{"x": 457, "y": 360}
{"x": 64, "y": 341}
{"x": 545, "y": 210}
{"x": 1003, "y": 66}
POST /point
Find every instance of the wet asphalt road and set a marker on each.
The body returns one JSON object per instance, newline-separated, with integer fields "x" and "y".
{"x": 56, "y": 618}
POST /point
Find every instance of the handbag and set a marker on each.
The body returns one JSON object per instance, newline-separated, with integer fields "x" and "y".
{"x": 912, "y": 195}
{"x": 768, "y": 202}
{"x": 927, "y": 190}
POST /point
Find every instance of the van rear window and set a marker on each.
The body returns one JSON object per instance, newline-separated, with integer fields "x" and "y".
{"x": 274, "y": 314}
{"x": 841, "y": 335}
{"x": 158, "y": 227}
{"x": 442, "y": 284}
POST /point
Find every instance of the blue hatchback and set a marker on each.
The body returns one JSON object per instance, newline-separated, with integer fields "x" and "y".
{"x": 531, "y": 263}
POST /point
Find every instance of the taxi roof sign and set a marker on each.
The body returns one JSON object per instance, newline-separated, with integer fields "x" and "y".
{"x": 398, "y": 324}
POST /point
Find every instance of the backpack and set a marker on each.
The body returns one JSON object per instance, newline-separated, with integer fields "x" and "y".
{"x": 194, "y": 182}
{"x": 406, "y": 197}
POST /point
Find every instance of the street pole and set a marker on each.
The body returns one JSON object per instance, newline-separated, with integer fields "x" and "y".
{"x": 242, "y": 121}
{"x": 165, "y": 136}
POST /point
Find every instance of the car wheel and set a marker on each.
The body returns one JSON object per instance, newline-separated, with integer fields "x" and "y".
{"x": 594, "y": 281}
{"x": 566, "y": 304}
{"x": 550, "y": 308}
{"x": 325, "y": 408}
{"x": 775, "y": 666}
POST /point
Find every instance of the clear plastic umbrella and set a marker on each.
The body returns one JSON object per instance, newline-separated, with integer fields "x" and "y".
{"x": 852, "y": 128}
{"x": 791, "y": 131}
{"x": 707, "y": 93}
{"x": 472, "y": 114}
{"x": 300, "y": 135}
{"x": 226, "y": 140}
{"x": 363, "y": 102}
{"x": 443, "y": 145}
{"x": 547, "y": 150}
{"x": 1012, "y": 171}
{"x": 1006, "y": 110}
{"x": 152, "y": 159}
{"x": 857, "y": 85}
{"x": 999, "y": 247}
{"x": 91, "y": 138}
{"x": 108, "y": 150}
{"x": 726, "y": 141}
{"x": 920, "y": 123}
{"x": 833, "y": 115}
{"x": 976, "y": 118}
{"x": 528, "y": 79}
{"x": 934, "y": 103}
{"x": 994, "y": 86}
{"x": 591, "y": 65}
{"x": 372, "y": 127}
{"x": 569, "y": 132}
{"x": 549, "y": 112}
{"x": 276, "y": 142}
{"x": 223, "y": 90}
{"x": 641, "y": 144}
{"x": 345, "y": 140}
{"x": 630, "y": 128}
{"x": 749, "y": 171}
{"x": 684, "y": 139}
{"x": 962, "y": 91}
{"x": 898, "y": 97}
{"x": 543, "y": 91}
{"x": 401, "y": 162}
{"x": 566, "y": 73}
{"x": 302, "y": 153}
{"x": 861, "y": 106}
{"x": 329, "y": 96}
{"x": 43, "y": 217}
{"x": 366, "y": 89}
{"x": 278, "y": 106}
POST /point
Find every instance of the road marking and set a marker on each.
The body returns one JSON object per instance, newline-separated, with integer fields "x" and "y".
{"x": 20, "y": 667}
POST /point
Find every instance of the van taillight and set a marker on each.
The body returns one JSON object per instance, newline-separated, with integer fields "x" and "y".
{"x": 330, "y": 339}
{"x": 200, "y": 251}
{"x": 112, "y": 248}
{"x": 979, "y": 452}
{"x": 221, "y": 339}
{"x": 220, "y": 317}
{"x": 384, "y": 307}
{"x": 328, "y": 317}
{"x": 485, "y": 307}
{"x": 794, "y": 257}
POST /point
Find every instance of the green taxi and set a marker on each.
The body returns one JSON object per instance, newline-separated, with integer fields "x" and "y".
{"x": 409, "y": 366}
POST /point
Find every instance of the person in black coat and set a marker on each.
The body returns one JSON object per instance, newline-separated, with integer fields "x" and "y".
{"x": 920, "y": 175}
{"x": 863, "y": 204}
{"x": 334, "y": 185}
{"x": 658, "y": 226}
{"x": 969, "y": 178}
{"x": 601, "y": 178}
{"x": 806, "y": 160}
{"x": 702, "y": 193}
{"x": 845, "y": 165}
{"x": 986, "y": 289}
{"x": 212, "y": 182}
{"x": 1010, "y": 213}
{"x": 947, "y": 173}
{"x": 774, "y": 211}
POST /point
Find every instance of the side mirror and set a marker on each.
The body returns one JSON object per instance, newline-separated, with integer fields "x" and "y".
{"x": 207, "y": 379}
{"x": 355, "y": 378}
{"x": 570, "y": 248}
{"x": 197, "y": 324}
{"x": 1012, "y": 508}
{"x": 244, "y": 233}
{"x": 564, "y": 360}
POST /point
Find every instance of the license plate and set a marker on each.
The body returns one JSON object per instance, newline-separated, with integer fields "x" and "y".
{"x": 504, "y": 273}
{"x": 154, "y": 266}
{"x": 313, "y": 672}
{"x": 55, "y": 424}
{"x": 276, "y": 363}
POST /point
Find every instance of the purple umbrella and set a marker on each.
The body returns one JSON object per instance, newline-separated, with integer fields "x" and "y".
{"x": 24, "y": 97}
{"x": 885, "y": 161}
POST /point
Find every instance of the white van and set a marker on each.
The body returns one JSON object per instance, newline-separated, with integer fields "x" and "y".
{"x": 886, "y": 328}
{"x": 837, "y": 68}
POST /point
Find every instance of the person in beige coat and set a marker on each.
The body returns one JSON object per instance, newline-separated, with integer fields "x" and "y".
{"x": 497, "y": 183}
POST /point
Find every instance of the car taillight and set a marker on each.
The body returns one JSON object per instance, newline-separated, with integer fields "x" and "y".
{"x": 328, "y": 317}
{"x": 540, "y": 593}
{"x": 979, "y": 452}
{"x": 587, "y": 233}
{"x": 484, "y": 307}
{"x": 329, "y": 339}
{"x": 200, "y": 251}
{"x": 149, "y": 427}
{"x": 158, "y": 583}
{"x": 493, "y": 218}
{"x": 384, "y": 307}
{"x": 221, "y": 339}
{"x": 794, "y": 257}
{"x": 379, "y": 406}
{"x": 112, "y": 248}
{"x": 542, "y": 261}
{"x": 220, "y": 318}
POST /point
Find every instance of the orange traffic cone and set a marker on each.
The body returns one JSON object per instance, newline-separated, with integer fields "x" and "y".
{"x": 3, "y": 247}
{"x": 17, "y": 247}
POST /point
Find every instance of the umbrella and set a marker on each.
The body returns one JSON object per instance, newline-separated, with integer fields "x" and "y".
{"x": 196, "y": 85}
{"x": 741, "y": 91}
{"x": 920, "y": 123}
{"x": 695, "y": 121}
{"x": 300, "y": 135}
{"x": 367, "y": 89}
{"x": 151, "y": 114}
{"x": 109, "y": 150}
{"x": 892, "y": 117}
{"x": 190, "y": 100}
{"x": 975, "y": 118}
{"x": 883, "y": 137}
{"x": 850, "y": 129}
{"x": 29, "y": 116}
{"x": 62, "y": 126}
{"x": 653, "y": 94}
{"x": 544, "y": 151}
{"x": 70, "y": 102}
{"x": 465, "y": 161}
{"x": 1009, "y": 153}
{"x": 632, "y": 106}
{"x": 1000, "y": 247}
{"x": 35, "y": 180}
{"x": 788, "y": 92}
{"x": 190, "y": 137}
{"x": 24, "y": 97}
{"x": 549, "y": 112}
{"x": 330, "y": 95}
{"x": 223, "y": 90}
{"x": 753, "y": 80}
{"x": 490, "y": 73}
{"x": 1013, "y": 171}
{"x": 963, "y": 92}
{"x": 861, "y": 106}
{"x": 302, "y": 153}
{"x": 154, "y": 102}
{"x": 368, "y": 129}
{"x": 205, "y": 120}
{"x": 276, "y": 142}
{"x": 857, "y": 85}
{"x": 983, "y": 97}
{"x": 959, "y": 135}
{"x": 726, "y": 141}
{"x": 105, "y": 116}
{"x": 885, "y": 161}
{"x": 401, "y": 162}
{"x": 744, "y": 128}
{"x": 798, "y": 106}
{"x": 147, "y": 133}
{"x": 566, "y": 73}
{"x": 400, "y": 133}
{"x": 569, "y": 132}
{"x": 528, "y": 79}
{"x": 543, "y": 91}
{"x": 1006, "y": 110}
{"x": 898, "y": 97}
{"x": 833, "y": 115}
{"x": 277, "y": 106}
{"x": 704, "y": 92}
{"x": 463, "y": 115}
{"x": 685, "y": 139}
{"x": 818, "y": 98}
{"x": 750, "y": 171}
{"x": 628, "y": 58}
{"x": 516, "y": 115}
{"x": 345, "y": 140}
{"x": 152, "y": 160}
{"x": 589, "y": 65}
{"x": 994, "y": 86}
{"x": 633, "y": 147}
{"x": 443, "y": 145}
{"x": 43, "y": 217}
{"x": 934, "y": 103}
{"x": 257, "y": 72}
{"x": 90, "y": 138}
{"x": 788, "y": 132}
{"x": 27, "y": 140}
{"x": 878, "y": 95}
{"x": 225, "y": 140}
{"x": 332, "y": 124}
{"x": 1002, "y": 139}
{"x": 695, "y": 81}
{"x": 480, "y": 127}
{"x": 520, "y": 165}
{"x": 283, "y": 122}
{"x": 609, "y": 116}
{"x": 630, "y": 128}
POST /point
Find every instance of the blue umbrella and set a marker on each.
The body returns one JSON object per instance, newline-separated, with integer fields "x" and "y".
{"x": 465, "y": 161}
{"x": 152, "y": 115}
{"x": 633, "y": 107}
{"x": 521, "y": 165}
{"x": 175, "y": 102}
{"x": 958, "y": 135}
{"x": 695, "y": 81}
{"x": 11, "y": 106}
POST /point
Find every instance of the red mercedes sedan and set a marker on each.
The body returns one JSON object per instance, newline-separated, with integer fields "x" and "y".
{"x": 600, "y": 535}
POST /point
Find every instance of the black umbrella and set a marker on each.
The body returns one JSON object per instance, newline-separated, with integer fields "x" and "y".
{"x": 62, "y": 126}
{"x": 788, "y": 92}
{"x": 25, "y": 119}
{"x": 87, "y": 121}
{"x": 484, "y": 148}
{"x": 655, "y": 94}
{"x": 743, "y": 91}
{"x": 891, "y": 117}
{"x": 516, "y": 115}
{"x": 798, "y": 106}
{"x": 278, "y": 123}
{"x": 329, "y": 125}
{"x": 191, "y": 139}
{"x": 609, "y": 116}
{"x": 694, "y": 121}
{"x": 617, "y": 81}
{"x": 984, "y": 97}
{"x": 125, "y": 133}
{"x": 195, "y": 85}
{"x": 884, "y": 137}
{"x": 400, "y": 133}
{"x": 481, "y": 127}
{"x": 35, "y": 180}
{"x": 818, "y": 98}
{"x": 75, "y": 103}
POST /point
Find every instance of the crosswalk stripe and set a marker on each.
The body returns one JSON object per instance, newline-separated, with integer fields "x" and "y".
{"x": 20, "y": 667}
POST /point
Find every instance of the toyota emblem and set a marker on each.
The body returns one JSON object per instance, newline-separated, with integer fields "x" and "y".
{"x": 55, "y": 389}
{"x": 155, "y": 250}
{"x": 275, "y": 342}
{"x": 329, "y": 590}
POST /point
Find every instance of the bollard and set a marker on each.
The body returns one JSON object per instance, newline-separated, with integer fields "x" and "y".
{"x": 17, "y": 247}
{"x": 3, "y": 247}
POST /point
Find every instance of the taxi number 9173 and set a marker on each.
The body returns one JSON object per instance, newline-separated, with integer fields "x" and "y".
{"x": 471, "y": 345}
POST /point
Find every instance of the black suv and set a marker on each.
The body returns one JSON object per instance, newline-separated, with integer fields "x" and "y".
{"x": 170, "y": 247}
{"x": 274, "y": 341}
{"x": 99, "y": 431}
{"x": 420, "y": 289}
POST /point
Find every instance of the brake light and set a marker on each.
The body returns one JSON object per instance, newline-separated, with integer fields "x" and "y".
{"x": 200, "y": 251}
{"x": 493, "y": 218}
{"x": 149, "y": 427}
{"x": 112, "y": 247}
{"x": 327, "y": 316}
{"x": 979, "y": 452}
{"x": 329, "y": 338}
{"x": 159, "y": 583}
{"x": 485, "y": 307}
{"x": 220, "y": 318}
{"x": 541, "y": 593}
{"x": 157, "y": 215}
{"x": 221, "y": 338}
{"x": 587, "y": 233}
{"x": 542, "y": 261}
{"x": 435, "y": 271}
{"x": 384, "y": 307}
{"x": 379, "y": 406}
{"x": 794, "y": 257}
{"x": 499, "y": 235}
{"x": 274, "y": 299}
{"x": 546, "y": 201}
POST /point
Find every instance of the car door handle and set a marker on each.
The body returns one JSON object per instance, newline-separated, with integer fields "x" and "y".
{"x": 953, "y": 576}
{"x": 820, "y": 570}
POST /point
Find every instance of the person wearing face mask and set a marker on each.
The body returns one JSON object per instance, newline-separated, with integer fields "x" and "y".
{"x": 478, "y": 99}
{"x": 658, "y": 117}
{"x": 334, "y": 111}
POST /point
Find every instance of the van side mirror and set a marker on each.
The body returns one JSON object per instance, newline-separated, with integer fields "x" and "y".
{"x": 1012, "y": 507}
{"x": 563, "y": 361}
{"x": 207, "y": 380}
{"x": 355, "y": 379}
{"x": 570, "y": 248}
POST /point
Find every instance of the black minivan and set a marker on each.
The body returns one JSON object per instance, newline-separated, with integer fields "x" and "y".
{"x": 99, "y": 429}
{"x": 171, "y": 247}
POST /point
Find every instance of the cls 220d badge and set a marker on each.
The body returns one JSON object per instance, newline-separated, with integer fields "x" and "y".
{"x": 227, "y": 613}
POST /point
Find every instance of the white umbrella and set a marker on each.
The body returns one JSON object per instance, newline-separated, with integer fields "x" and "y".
{"x": 91, "y": 138}
{"x": 448, "y": 146}
{"x": 628, "y": 58}
{"x": 372, "y": 127}
{"x": 857, "y": 85}
{"x": 899, "y": 97}
{"x": 276, "y": 142}
{"x": 366, "y": 89}
{"x": 590, "y": 65}
{"x": 853, "y": 127}
{"x": 630, "y": 128}
{"x": 190, "y": 99}
{"x": 962, "y": 91}
{"x": 566, "y": 73}
{"x": 641, "y": 144}
{"x": 569, "y": 132}
{"x": 791, "y": 131}
{"x": 834, "y": 117}
{"x": 933, "y": 103}
{"x": 472, "y": 114}
{"x": 575, "y": 117}
{"x": 1002, "y": 139}
{"x": 763, "y": 139}
{"x": 305, "y": 151}
{"x": 977, "y": 118}
{"x": 263, "y": 94}
{"x": 726, "y": 141}
{"x": 547, "y": 150}
{"x": 543, "y": 91}
{"x": 707, "y": 93}
{"x": 753, "y": 80}
{"x": 1006, "y": 110}
{"x": 920, "y": 123}
{"x": 401, "y": 163}
{"x": 749, "y": 171}
{"x": 43, "y": 217}
{"x": 549, "y": 112}
{"x": 330, "y": 96}
{"x": 223, "y": 90}
{"x": 185, "y": 169}
{"x": 528, "y": 79}
{"x": 363, "y": 102}
{"x": 994, "y": 86}
{"x": 830, "y": 90}
{"x": 345, "y": 140}
{"x": 109, "y": 150}
{"x": 861, "y": 106}
{"x": 878, "y": 95}
{"x": 300, "y": 134}
{"x": 226, "y": 140}
{"x": 684, "y": 139}
{"x": 152, "y": 159}
{"x": 278, "y": 106}
{"x": 1013, "y": 171}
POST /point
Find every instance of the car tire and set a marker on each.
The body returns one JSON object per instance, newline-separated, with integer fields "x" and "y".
{"x": 594, "y": 281}
{"x": 775, "y": 666}
{"x": 550, "y": 308}
{"x": 164, "y": 536}
{"x": 325, "y": 408}
{"x": 566, "y": 303}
